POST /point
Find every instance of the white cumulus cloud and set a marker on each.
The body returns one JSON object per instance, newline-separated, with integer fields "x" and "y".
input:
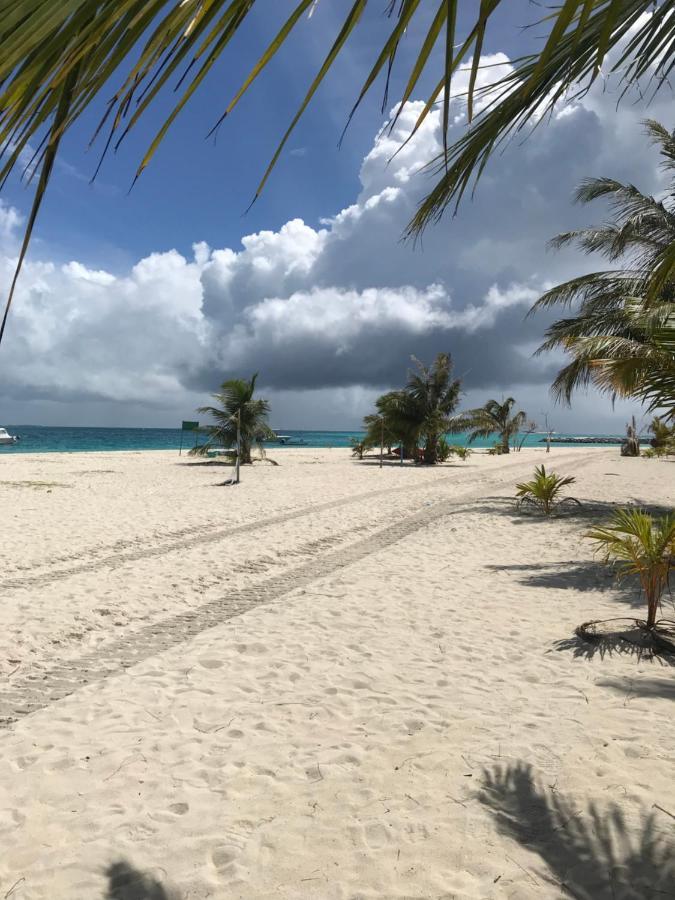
{"x": 331, "y": 312}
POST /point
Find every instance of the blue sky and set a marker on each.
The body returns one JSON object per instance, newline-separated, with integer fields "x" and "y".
{"x": 118, "y": 321}
{"x": 196, "y": 189}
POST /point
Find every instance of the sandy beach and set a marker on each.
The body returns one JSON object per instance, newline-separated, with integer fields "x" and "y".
{"x": 332, "y": 681}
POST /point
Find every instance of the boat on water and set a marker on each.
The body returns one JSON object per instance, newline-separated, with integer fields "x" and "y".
{"x": 287, "y": 440}
{"x": 6, "y": 438}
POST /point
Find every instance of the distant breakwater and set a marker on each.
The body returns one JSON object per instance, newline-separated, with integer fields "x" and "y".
{"x": 583, "y": 440}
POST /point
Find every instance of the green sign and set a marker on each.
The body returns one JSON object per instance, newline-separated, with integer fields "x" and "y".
{"x": 190, "y": 426}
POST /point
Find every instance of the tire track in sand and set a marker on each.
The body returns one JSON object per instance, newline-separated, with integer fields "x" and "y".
{"x": 122, "y": 552}
{"x": 37, "y": 690}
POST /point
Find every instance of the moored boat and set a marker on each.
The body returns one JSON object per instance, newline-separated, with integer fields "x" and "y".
{"x": 6, "y": 438}
{"x": 287, "y": 440}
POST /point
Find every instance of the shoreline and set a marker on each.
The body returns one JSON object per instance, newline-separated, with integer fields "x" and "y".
{"x": 17, "y": 454}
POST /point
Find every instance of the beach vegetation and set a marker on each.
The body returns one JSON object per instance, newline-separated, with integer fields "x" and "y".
{"x": 417, "y": 416}
{"x": 544, "y": 491}
{"x": 433, "y": 395}
{"x": 359, "y": 447}
{"x": 444, "y": 449}
{"x": 111, "y": 64}
{"x": 237, "y": 407}
{"x": 462, "y": 453}
{"x": 530, "y": 428}
{"x": 630, "y": 446}
{"x": 621, "y": 337}
{"x": 663, "y": 440}
{"x": 390, "y": 425}
{"x": 638, "y": 544}
{"x": 493, "y": 418}
{"x": 496, "y": 449}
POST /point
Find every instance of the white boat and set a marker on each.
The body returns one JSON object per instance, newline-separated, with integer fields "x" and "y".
{"x": 287, "y": 440}
{"x": 6, "y": 438}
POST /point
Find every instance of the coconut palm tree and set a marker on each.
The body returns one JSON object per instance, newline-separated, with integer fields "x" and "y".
{"x": 432, "y": 396}
{"x": 621, "y": 338}
{"x": 58, "y": 59}
{"x": 393, "y": 421}
{"x": 418, "y": 413}
{"x": 237, "y": 407}
{"x": 399, "y": 417}
{"x": 493, "y": 418}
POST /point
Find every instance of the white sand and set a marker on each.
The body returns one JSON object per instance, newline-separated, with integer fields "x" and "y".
{"x": 365, "y": 696}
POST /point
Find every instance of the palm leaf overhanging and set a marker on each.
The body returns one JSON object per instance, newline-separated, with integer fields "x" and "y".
{"x": 58, "y": 56}
{"x": 622, "y": 337}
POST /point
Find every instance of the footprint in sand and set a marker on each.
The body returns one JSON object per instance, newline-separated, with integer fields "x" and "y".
{"x": 377, "y": 836}
{"x": 10, "y": 819}
{"x": 224, "y": 859}
{"x": 179, "y": 808}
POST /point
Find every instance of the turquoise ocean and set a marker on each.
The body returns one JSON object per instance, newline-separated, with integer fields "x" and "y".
{"x": 44, "y": 439}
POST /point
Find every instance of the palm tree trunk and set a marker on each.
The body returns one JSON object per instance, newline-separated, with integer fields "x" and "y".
{"x": 653, "y": 593}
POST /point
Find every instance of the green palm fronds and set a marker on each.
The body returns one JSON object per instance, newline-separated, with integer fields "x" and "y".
{"x": 493, "y": 418}
{"x": 57, "y": 57}
{"x": 237, "y": 407}
{"x": 359, "y": 447}
{"x": 622, "y": 338}
{"x": 639, "y": 544}
{"x": 419, "y": 412}
{"x": 543, "y": 491}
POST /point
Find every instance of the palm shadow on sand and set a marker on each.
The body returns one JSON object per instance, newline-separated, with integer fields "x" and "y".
{"x": 591, "y": 510}
{"x": 128, "y": 883}
{"x": 591, "y": 852}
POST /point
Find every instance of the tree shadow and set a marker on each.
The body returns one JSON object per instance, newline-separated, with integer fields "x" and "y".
{"x": 640, "y": 687}
{"x": 128, "y": 883}
{"x": 592, "y": 511}
{"x": 612, "y": 645}
{"x": 211, "y": 463}
{"x": 592, "y": 853}
{"x": 581, "y": 575}
{"x": 606, "y": 637}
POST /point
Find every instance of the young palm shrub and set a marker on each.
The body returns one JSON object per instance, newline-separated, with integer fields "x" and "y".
{"x": 544, "y": 491}
{"x": 359, "y": 447}
{"x": 443, "y": 450}
{"x": 460, "y": 452}
{"x": 639, "y": 544}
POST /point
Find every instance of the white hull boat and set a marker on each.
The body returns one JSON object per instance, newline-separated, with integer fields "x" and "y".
{"x": 287, "y": 440}
{"x": 6, "y": 438}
